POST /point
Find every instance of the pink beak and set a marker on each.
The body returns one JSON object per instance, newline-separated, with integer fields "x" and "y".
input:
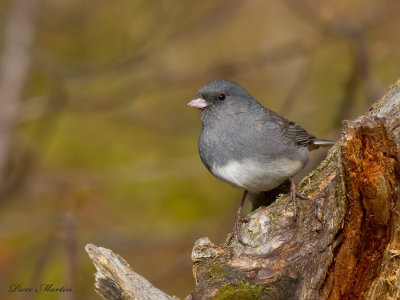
{"x": 198, "y": 103}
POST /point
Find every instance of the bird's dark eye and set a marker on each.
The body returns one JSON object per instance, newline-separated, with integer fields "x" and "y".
{"x": 221, "y": 96}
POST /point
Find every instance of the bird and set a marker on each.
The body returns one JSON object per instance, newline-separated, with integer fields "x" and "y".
{"x": 247, "y": 145}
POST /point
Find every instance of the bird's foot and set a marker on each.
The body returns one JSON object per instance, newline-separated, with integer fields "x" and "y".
{"x": 293, "y": 194}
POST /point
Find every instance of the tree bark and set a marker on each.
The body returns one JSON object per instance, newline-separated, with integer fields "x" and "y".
{"x": 345, "y": 241}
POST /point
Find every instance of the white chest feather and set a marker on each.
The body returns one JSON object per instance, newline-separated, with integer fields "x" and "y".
{"x": 256, "y": 177}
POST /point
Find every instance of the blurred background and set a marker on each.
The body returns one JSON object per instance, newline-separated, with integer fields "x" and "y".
{"x": 96, "y": 141}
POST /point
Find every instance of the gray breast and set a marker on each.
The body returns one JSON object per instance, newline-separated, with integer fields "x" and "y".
{"x": 257, "y": 158}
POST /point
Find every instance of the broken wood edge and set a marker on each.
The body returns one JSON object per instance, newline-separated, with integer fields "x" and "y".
{"x": 115, "y": 279}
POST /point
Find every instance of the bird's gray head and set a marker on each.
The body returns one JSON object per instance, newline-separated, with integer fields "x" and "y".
{"x": 222, "y": 97}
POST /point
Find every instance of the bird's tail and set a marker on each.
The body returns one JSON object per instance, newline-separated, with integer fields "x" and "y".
{"x": 316, "y": 143}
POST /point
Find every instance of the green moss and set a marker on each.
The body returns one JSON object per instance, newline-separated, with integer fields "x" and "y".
{"x": 215, "y": 271}
{"x": 242, "y": 290}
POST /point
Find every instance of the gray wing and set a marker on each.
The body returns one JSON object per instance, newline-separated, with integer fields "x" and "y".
{"x": 293, "y": 131}
{"x": 299, "y": 135}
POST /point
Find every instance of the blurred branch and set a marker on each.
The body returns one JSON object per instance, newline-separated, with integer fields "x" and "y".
{"x": 274, "y": 55}
{"x": 359, "y": 65}
{"x": 24, "y": 157}
{"x": 301, "y": 78}
{"x": 352, "y": 31}
{"x": 70, "y": 244}
{"x": 209, "y": 20}
{"x": 164, "y": 77}
{"x": 14, "y": 66}
{"x": 46, "y": 255}
{"x": 339, "y": 26}
{"x": 359, "y": 74}
{"x": 63, "y": 232}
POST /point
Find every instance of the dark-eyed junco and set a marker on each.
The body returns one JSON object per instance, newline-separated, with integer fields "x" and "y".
{"x": 248, "y": 145}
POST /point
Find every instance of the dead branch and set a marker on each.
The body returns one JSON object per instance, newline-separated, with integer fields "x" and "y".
{"x": 116, "y": 280}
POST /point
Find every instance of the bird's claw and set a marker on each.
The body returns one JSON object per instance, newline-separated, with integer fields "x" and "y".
{"x": 293, "y": 194}
{"x": 236, "y": 234}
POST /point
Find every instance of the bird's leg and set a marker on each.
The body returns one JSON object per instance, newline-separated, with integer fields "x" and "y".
{"x": 239, "y": 219}
{"x": 293, "y": 194}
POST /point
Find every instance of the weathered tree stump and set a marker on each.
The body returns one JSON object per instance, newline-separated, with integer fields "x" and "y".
{"x": 344, "y": 243}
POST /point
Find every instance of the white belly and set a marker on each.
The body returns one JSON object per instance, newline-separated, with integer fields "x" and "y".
{"x": 255, "y": 177}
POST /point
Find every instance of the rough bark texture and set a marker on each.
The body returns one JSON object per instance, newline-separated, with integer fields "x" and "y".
{"x": 345, "y": 241}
